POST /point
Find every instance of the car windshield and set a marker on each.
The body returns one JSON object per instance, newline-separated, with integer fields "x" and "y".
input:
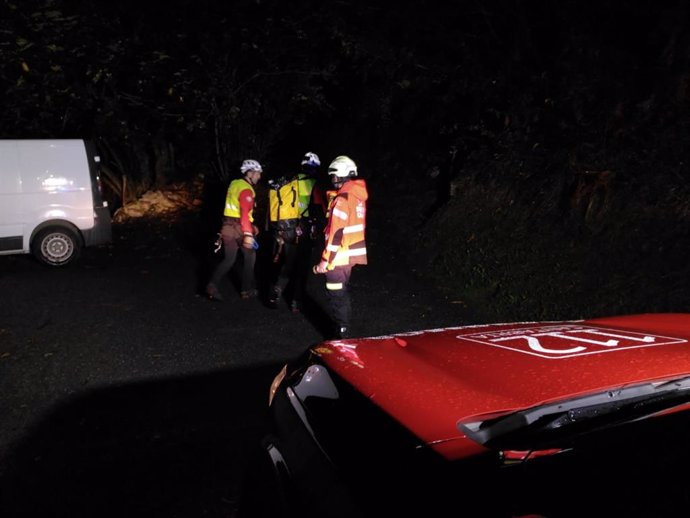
{"x": 547, "y": 424}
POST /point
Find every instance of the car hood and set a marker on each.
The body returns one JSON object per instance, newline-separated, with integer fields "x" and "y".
{"x": 431, "y": 381}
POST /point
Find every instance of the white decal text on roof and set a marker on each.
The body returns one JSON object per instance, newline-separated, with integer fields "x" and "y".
{"x": 563, "y": 341}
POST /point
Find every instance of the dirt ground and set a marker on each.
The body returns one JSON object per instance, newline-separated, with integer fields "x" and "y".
{"x": 126, "y": 393}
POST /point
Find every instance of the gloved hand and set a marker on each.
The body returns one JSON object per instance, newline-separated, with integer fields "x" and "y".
{"x": 322, "y": 267}
{"x": 248, "y": 242}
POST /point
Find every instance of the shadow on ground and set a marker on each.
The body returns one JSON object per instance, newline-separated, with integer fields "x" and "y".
{"x": 171, "y": 448}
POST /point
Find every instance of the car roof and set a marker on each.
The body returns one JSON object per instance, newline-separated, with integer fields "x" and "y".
{"x": 432, "y": 379}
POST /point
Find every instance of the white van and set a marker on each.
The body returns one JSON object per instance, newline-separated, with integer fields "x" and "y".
{"x": 50, "y": 199}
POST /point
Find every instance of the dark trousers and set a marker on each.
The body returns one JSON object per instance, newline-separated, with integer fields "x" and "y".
{"x": 338, "y": 295}
{"x": 291, "y": 261}
{"x": 232, "y": 242}
{"x": 303, "y": 266}
{"x": 285, "y": 243}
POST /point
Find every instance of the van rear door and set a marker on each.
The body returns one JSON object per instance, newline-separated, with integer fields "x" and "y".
{"x": 102, "y": 228}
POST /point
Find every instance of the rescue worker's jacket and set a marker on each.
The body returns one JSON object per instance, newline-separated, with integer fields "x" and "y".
{"x": 305, "y": 185}
{"x": 232, "y": 198}
{"x": 345, "y": 232}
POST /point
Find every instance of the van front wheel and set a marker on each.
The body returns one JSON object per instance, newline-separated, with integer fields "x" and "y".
{"x": 56, "y": 246}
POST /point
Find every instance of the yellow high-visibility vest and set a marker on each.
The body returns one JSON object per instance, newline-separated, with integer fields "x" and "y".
{"x": 232, "y": 198}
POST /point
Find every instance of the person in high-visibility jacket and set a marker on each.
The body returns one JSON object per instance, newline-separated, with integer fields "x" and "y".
{"x": 345, "y": 244}
{"x": 238, "y": 231}
{"x": 293, "y": 218}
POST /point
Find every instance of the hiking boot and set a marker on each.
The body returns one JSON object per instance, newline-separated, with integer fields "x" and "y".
{"x": 212, "y": 292}
{"x": 248, "y": 294}
{"x": 274, "y": 297}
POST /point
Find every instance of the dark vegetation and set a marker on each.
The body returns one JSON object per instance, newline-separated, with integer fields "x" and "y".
{"x": 532, "y": 155}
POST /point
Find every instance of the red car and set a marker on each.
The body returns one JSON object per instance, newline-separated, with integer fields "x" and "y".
{"x": 568, "y": 418}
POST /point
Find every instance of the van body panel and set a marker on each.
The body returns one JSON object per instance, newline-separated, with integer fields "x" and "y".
{"x": 50, "y": 183}
{"x": 11, "y": 225}
{"x": 101, "y": 232}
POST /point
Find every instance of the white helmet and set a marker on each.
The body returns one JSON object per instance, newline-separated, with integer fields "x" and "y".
{"x": 311, "y": 160}
{"x": 343, "y": 167}
{"x": 250, "y": 165}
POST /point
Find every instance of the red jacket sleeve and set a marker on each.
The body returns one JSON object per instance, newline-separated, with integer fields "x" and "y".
{"x": 246, "y": 207}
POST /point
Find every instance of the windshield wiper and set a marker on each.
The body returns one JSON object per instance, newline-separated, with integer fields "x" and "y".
{"x": 541, "y": 425}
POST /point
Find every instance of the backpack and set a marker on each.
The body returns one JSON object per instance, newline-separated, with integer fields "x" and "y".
{"x": 283, "y": 199}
